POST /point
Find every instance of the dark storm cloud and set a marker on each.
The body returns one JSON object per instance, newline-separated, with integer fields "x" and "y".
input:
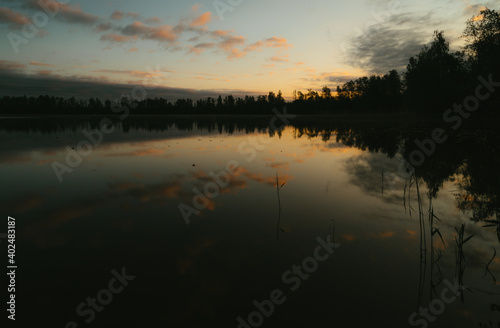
{"x": 389, "y": 45}
{"x": 16, "y": 84}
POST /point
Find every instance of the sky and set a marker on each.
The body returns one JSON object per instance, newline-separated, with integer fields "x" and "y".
{"x": 204, "y": 48}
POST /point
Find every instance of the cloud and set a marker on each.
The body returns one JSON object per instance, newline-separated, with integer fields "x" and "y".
{"x": 35, "y": 63}
{"x": 75, "y": 15}
{"x": 337, "y": 78}
{"x": 234, "y": 46}
{"x": 280, "y": 59}
{"x": 473, "y": 9}
{"x": 341, "y": 79}
{"x": 148, "y": 193}
{"x": 229, "y": 42}
{"x": 279, "y": 165}
{"x": 389, "y": 45}
{"x": 195, "y": 7}
{"x": 113, "y": 37}
{"x": 15, "y": 84}
{"x": 103, "y": 27}
{"x": 365, "y": 170}
{"x": 160, "y": 33}
{"x": 44, "y": 72}
{"x": 202, "y": 20}
{"x": 224, "y": 41}
{"x": 385, "y": 50}
{"x": 133, "y": 15}
{"x": 169, "y": 36}
{"x": 141, "y": 74}
{"x": 117, "y": 15}
{"x": 236, "y": 53}
{"x": 8, "y": 65}
{"x": 273, "y": 42}
{"x": 201, "y": 47}
{"x": 211, "y": 79}
{"x": 152, "y": 20}
{"x": 220, "y": 33}
{"x": 12, "y": 18}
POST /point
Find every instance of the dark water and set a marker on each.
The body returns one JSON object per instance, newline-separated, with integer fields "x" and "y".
{"x": 188, "y": 212}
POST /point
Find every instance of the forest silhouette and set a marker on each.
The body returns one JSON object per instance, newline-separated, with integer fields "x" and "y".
{"x": 434, "y": 79}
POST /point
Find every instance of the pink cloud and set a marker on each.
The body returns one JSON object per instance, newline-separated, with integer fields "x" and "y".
{"x": 220, "y": 33}
{"x": 202, "y": 20}
{"x": 236, "y": 53}
{"x": 278, "y": 42}
{"x": 280, "y": 59}
{"x": 273, "y": 42}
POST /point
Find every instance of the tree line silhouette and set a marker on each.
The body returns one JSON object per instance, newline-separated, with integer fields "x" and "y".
{"x": 434, "y": 79}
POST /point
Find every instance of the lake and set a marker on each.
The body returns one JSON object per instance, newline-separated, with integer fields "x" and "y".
{"x": 225, "y": 222}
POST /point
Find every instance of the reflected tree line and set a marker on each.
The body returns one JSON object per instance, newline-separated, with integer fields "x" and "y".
{"x": 434, "y": 79}
{"x": 470, "y": 156}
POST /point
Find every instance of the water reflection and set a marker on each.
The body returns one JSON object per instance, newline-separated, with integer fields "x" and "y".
{"x": 120, "y": 207}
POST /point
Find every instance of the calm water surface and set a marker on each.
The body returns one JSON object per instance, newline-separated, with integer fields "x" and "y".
{"x": 200, "y": 244}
